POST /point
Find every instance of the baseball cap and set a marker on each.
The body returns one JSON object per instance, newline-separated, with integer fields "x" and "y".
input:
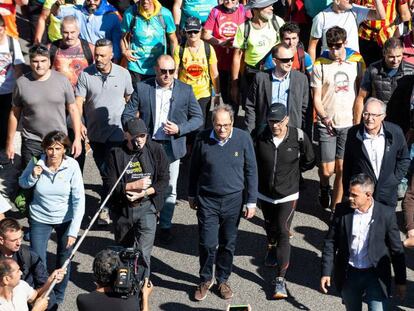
{"x": 136, "y": 127}
{"x": 192, "y": 24}
{"x": 277, "y": 112}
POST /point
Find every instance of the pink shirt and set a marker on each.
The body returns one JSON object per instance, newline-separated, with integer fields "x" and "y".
{"x": 224, "y": 26}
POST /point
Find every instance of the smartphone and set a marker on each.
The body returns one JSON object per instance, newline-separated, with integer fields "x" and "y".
{"x": 239, "y": 308}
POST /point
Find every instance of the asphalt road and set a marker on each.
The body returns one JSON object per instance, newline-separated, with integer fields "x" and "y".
{"x": 175, "y": 267}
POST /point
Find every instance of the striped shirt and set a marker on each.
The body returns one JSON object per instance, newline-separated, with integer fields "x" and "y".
{"x": 380, "y": 30}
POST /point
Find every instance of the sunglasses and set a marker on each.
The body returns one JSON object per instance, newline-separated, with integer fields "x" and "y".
{"x": 165, "y": 71}
{"x": 285, "y": 60}
{"x": 335, "y": 46}
{"x": 192, "y": 32}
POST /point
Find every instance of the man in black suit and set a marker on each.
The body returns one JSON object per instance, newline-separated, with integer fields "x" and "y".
{"x": 170, "y": 112}
{"x": 362, "y": 242}
{"x": 377, "y": 148}
{"x": 281, "y": 85}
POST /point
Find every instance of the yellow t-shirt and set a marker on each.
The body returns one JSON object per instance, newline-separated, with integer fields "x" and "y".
{"x": 195, "y": 69}
{"x": 53, "y": 30}
{"x": 259, "y": 42}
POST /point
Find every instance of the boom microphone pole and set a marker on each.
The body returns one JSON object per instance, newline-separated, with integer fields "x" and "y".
{"x": 79, "y": 242}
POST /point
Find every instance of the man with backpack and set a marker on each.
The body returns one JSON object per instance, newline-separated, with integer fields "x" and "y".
{"x": 148, "y": 30}
{"x": 197, "y": 65}
{"x": 254, "y": 39}
{"x": 279, "y": 186}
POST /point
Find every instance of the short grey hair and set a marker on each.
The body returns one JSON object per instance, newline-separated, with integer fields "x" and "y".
{"x": 373, "y": 99}
{"x": 222, "y": 107}
{"x": 363, "y": 180}
{"x": 70, "y": 19}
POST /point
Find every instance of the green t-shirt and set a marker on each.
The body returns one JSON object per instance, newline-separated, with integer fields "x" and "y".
{"x": 259, "y": 42}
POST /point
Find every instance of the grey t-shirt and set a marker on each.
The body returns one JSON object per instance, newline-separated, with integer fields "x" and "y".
{"x": 43, "y": 104}
{"x": 104, "y": 102}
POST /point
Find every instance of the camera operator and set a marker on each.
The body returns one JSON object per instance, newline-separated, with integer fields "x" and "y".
{"x": 139, "y": 195}
{"x": 105, "y": 266}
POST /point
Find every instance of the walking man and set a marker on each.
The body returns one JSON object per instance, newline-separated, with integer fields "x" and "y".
{"x": 223, "y": 167}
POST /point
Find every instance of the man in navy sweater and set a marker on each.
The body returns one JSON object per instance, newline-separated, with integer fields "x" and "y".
{"x": 223, "y": 167}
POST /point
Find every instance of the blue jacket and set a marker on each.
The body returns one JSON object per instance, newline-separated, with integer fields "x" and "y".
{"x": 185, "y": 111}
{"x": 104, "y": 23}
{"x": 58, "y": 197}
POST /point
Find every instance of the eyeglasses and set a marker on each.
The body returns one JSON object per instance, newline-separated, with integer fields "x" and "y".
{"x": 285, "y": 60}
{"x": 219, "y": 126}
{"x": 192, "y": 32}
{"x": 367, "y": 115}
{"x": 335, "y": 46}
{"x": 165, "y": 71}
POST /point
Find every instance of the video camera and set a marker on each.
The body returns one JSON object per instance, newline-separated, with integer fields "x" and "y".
{"x": 130, "y": 274}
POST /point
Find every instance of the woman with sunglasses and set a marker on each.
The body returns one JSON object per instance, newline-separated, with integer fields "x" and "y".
{"x": 58, "y": 201}
{"x": 197, "y": 65}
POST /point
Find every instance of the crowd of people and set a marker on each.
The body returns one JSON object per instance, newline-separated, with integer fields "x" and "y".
{"x": 152, "y": 85}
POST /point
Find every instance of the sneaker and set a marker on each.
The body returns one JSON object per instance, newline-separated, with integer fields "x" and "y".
{"x": 103, "y": 218}
{"x": 325, "y": 196}
{"x": 202, "y": 290}
{"x": 280, "y": 288}
{"x": 270, "y": 258}
{"x": 225, "y": 290}
{"x": 165, "y": 236}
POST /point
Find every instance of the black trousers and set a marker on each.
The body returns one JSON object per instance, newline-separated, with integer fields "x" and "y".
{"x": 5, "y": 107}
{"x": 278, "y": 219}
{"x": 218, "y": 221}
{"x": 30, "y": 148}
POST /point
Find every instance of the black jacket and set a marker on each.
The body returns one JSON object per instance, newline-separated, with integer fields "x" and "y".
{"x": 394, "y": 91}
{"x": 384, "y": 246}
{"x": 279, "y": 168}
{"x": 117, "y": 161}
{"x": 259, "y": 100}
{"x": 394, "y": 165}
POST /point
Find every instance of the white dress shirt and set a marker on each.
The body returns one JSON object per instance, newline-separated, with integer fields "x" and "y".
{"x": 163, "y": 101}
{"x": 375, "y": 146}
{"x": 361, "y": 224}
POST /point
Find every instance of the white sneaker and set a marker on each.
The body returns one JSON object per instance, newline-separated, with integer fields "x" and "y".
{"x": 103, "y": 218}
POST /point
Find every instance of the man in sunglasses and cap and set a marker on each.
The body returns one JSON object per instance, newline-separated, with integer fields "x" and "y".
{"x": 276, "y": 86}
{"x": 279, "y": 186}
{"x": 139, "y": 196}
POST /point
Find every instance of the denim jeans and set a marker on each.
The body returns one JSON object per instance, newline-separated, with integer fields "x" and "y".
{"x": 167, "y": 212}
{"x": 359, "y": 284}
{"x": 218, "y": 221}
{"x": 39, "y": 237}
